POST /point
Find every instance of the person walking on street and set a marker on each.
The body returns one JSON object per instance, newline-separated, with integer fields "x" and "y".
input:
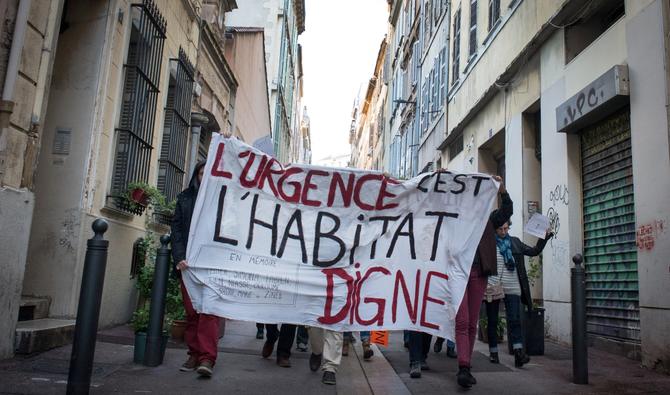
{"x": 326, "y": 348}
{"x": 285, "y": 337}
{"x": 202, "y": 330}
{"x": 451, "y": 347}
{"x": 260, "y": 331}
{"x": 483, "y": 265}
{"x": 513, "y": 280}
{"x": 419, "y": 345}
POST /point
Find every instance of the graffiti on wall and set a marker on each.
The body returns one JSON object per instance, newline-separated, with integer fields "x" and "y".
{"x": 559, "y": 194}
{"x": 645, "y": 236}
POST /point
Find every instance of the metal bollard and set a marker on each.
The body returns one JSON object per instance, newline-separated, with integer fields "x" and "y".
{"x": 580, "y": 361}
{"x": 153, "y": 355}
{"x": 88, "y": 312}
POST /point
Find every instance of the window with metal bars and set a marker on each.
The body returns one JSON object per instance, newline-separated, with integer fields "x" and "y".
{"x": 172, "y": 161}
{"x": 473, "y": 28}
{"x": 134, "y": 134}
{"x": 494, "y": 13}
{"x": 456, "y": 54}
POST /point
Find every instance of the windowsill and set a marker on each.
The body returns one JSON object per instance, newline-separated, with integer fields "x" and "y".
{"x": 493, "y": 31}
{"x": 110, "y": 210}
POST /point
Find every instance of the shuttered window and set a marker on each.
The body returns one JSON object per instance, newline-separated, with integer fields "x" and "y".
{"x": 610, "y": 253}
{"x": 134, "y": 134}
{"x": 172, "y": 159}
{"x": 456, "y": 53}
{"x": 473, "y": 27}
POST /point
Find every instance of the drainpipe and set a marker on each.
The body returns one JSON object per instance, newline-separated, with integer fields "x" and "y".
{"x": 198, "y": 120}
{"x": 15, "y": 53}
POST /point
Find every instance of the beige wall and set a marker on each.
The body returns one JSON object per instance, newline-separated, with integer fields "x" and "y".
{"x": 20, "y": 140}
{"x": 245, "y": 53}
{"x": 88, "y": 83}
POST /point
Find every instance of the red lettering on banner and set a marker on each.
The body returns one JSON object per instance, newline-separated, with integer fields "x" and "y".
{"x": 411, "y": 310}
{"x": 383, "y": 193}
{"x": 308, "y": 186}
{"x": 247, "y": 168}
{"x": 267, "y": 175}
{"x": 381, "y": 303}
{"x": 427, "y": 299}
{"x": 328, "y": 317}
{"x": 297, "y": 187}
{"x": 345, "y": 192}
{"x": 359, "y": 185}
{"x": 217, "y": 169}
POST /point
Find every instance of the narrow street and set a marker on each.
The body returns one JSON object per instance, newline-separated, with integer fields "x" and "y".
{"x": 240, "y": 369}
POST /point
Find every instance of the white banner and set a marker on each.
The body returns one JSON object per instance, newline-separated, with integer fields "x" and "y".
{"x": 343, "y": 249}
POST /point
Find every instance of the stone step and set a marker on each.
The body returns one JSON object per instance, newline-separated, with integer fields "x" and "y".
{"x": 33, "y": 308}
{"x": 43, "y": 334}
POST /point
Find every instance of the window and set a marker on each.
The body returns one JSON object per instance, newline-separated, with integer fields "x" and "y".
{"x": 456, "y": 54}
{"x": 172, "y": 159}
{"x": 134, "y": 134}
{"x": 443, "y": 76}
{"x": 590, "y": 24}
{"x": 473, "y": 28}
{"x": 456, "y": 146}
{"x": 494, "y": 13}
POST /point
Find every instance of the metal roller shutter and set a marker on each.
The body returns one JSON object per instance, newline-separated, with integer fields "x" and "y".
{"x": 609, "y": 229}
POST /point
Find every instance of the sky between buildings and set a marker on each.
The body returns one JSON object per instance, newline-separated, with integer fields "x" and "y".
{"x": 340, "y": 46}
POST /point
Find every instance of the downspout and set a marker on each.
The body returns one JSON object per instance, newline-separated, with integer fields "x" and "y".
{"x": 15, "y": 53}
{"x": 6, "y": 103}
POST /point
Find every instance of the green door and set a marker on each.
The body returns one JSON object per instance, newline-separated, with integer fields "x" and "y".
{"x": 610, "y": 253}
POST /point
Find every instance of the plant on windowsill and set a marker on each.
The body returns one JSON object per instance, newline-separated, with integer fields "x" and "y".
{"x": 163, "y": 211}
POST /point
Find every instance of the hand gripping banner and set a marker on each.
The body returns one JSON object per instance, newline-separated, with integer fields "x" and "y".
{"x": 342, "y": 249}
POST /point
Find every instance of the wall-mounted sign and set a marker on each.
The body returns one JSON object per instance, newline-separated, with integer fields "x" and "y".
{"x": 600, "y": 98}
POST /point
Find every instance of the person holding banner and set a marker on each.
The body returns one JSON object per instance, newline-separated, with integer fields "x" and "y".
{"x": 483, "y": 265}
{"x": 513, "y": 279}
{"x": 202, "y": 330}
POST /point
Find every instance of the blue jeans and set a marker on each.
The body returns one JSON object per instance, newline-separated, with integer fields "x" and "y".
{"x": 419, "y": 345}
{"x": 513, "y": 314}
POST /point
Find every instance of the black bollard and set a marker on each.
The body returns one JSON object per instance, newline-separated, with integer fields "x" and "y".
{"x": 580, "y": 363}
{"x": 86, "y": 328}
{"x": 153, "y": 355}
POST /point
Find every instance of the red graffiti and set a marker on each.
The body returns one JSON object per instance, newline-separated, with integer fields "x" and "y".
{"x": 645, "y": 236}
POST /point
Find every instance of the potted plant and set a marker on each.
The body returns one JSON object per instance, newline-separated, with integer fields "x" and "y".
{"x": 140, "y": 324}
{"x": 140, "y": 319}
{"x": 174, "y": 309}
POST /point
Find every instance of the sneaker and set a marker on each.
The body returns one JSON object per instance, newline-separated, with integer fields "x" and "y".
{"x": 437, "y": 347}
{"x": 424, "y": 365}
{"x": 493, "y": 358}
{"x": 205, "y": 368}
{"x": 259, "y": 334}
{"x": 520, "y": 358}
{"x": 268, "y": 347}
{"x": 301, "y": 347}
{"x": 283, "y": 362}
{"x": 345, "y": 348}
{"x": 328, "y": 378}
{"x": 451, "y": 352}
{"x": 190, "y": 364}
{"x": 367, "y": 351}
{"x": 315, "y": 362}
{"x": 415, "y": 370}
{"x": 463, "y": 377}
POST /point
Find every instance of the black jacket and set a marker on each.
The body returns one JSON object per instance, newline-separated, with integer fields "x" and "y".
{"x": 181, "y": 221}
{"x": 519, "y": 250}
{"x": 486, "y": 250}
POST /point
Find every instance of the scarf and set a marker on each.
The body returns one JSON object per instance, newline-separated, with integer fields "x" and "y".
{"x": 505, "y": 247}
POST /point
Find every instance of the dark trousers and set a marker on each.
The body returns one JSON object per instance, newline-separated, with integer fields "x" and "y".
{"x": 513, "y": 314}
{"x": 260, "y": 326}
{"x": 302, "y": 336}
{"x": 419, "y": 345}
{"x": 285, "y": 336}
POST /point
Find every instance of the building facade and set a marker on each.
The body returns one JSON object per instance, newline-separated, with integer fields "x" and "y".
{"x": 106, "y": 94}
{"x": 563, "y": 100}
{"x": 283, "y": 21}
